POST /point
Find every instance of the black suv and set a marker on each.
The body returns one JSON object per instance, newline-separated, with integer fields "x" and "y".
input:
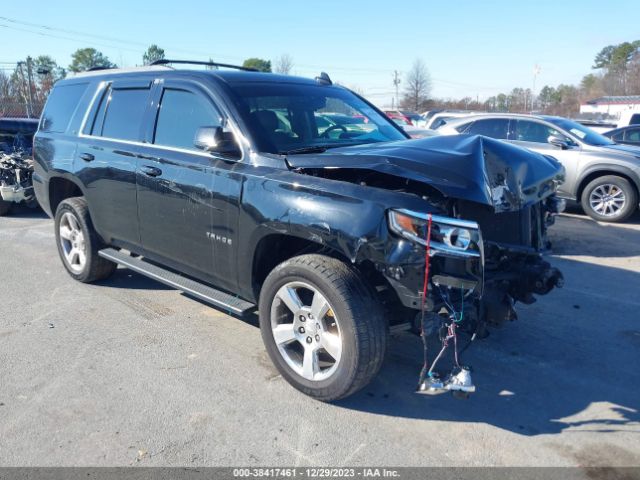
{"x": 222, "y": 183}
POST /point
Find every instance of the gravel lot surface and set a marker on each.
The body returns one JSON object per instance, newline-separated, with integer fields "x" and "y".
{"x": 129, "y": 372}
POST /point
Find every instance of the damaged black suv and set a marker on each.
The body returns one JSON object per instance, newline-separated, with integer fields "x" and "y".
{"x": 241, "y": 189}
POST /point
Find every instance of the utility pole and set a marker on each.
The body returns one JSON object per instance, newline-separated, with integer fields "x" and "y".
{"x": 536, "y": 72}
{"x": 396, "y": 82}
{"x": 24, "y": 94}
{"x": 29, "y": 76}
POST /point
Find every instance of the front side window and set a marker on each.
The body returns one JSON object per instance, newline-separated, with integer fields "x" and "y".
{"x": 528, "y": 131}
{"x": 283, "y": 118}
{"x": 120, "y": 113}
{"x": 181, "y": 114}
{"x": 491, "y": 127}
{"x": 585, "y": 134}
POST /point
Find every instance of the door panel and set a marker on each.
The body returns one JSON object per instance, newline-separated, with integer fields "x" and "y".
{"x": 110, "y": 188}
{"x": 175, "y": 206}
{"x": 187, "y": 198}
{"x": 106, "y": 160}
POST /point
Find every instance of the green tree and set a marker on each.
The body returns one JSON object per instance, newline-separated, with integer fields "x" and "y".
{"x": 258, "y": 63}
{"x": 86, "y": 58}
{"x": 153, "y": 53}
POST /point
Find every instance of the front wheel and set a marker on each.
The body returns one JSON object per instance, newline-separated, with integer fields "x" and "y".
{"x": 609, "y": 199}
{"x": 322, "y": 326}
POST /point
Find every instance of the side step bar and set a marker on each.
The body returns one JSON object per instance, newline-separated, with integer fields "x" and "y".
{"x": 191, "y": 287}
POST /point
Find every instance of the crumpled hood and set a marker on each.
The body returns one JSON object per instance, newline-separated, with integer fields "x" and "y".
{"x": 467, "y": 167}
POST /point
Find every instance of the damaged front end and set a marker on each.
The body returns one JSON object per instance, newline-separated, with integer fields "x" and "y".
{"x": 466, "y": 244}
{"x": 16, "y": 184}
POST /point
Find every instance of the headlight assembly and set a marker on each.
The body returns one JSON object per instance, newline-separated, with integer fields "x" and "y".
{"x": 448, "y": 235}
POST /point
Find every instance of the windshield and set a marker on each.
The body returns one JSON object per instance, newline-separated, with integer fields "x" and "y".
{"x": 283, "y": 118}
{"x": 585, "y": 134}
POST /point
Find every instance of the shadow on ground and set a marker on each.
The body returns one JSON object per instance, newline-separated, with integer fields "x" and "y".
{"x": 591, "y": 238}
{"x": 538, "y": 375}
{"x": 22, "y": 211}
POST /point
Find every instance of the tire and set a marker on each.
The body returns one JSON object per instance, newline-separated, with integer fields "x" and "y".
{"x": 349, "y": 323}
{"x": 74, "y": 231}
{"x": 5, "y": 208}
{"x": 621, "y": 194}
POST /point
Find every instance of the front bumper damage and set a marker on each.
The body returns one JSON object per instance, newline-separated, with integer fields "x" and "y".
{"x": 468, "y": 290}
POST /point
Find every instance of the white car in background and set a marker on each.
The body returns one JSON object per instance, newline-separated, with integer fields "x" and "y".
{"x": 441, "y": 118}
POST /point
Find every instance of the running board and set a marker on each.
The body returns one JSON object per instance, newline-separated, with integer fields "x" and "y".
{"x": 190, "y": 287}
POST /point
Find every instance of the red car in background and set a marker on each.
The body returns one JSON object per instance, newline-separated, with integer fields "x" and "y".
{"x": 410, "y": 117}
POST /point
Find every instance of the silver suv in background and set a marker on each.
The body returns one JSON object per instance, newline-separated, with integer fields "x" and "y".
{"x": 602, "y": 176}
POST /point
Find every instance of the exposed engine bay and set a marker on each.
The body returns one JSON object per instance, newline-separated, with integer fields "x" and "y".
{"x": 16, "y": 170}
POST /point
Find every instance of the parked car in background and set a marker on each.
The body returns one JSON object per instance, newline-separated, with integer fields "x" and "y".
{"x": 597, "y": 126}
{"x": 630, "y": 117}
{"x": 413, "y": 130}
{"x": 602, "y": 176}
{"x": 441, "y": 118}
{"x": 626, "y": 135}
{"x": 16, "y": 164}
{"x": 407, "y": 116}
{"x": 16, "y": 134}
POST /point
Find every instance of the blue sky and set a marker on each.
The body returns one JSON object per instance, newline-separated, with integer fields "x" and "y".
{"x": 471, "y": 47}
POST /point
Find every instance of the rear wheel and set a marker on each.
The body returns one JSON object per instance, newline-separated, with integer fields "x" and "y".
{"x": 5, "y": 207}
{"x": 322, "y": 326}
{"x": 609, "y": 199}
{"x": 78, "y": 243}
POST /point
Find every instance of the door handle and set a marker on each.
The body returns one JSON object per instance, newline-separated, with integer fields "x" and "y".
{"x": 87, "y": 157}
{"x": 151, "y": 171}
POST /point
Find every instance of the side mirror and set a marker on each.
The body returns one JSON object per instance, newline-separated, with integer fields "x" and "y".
{"x": 560, "y": 142}
{"x": 215, "y": 140}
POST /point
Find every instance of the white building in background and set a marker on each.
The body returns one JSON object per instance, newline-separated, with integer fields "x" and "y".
{"x": 611, "y": 106}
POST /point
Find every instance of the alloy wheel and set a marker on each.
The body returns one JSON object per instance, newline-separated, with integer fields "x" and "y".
{"x": 306, "y": 331}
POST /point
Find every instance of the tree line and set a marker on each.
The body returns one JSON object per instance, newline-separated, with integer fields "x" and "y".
{"x": 25, "y": 88}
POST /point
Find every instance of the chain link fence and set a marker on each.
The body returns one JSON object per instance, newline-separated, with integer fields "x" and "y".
{"x": 20, "y": 110}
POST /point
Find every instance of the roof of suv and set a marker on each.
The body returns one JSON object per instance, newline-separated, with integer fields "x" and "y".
{"x": 229, "y": 76}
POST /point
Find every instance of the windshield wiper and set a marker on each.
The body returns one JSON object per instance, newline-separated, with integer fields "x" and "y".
{"x": 310, "y": 149}
{"x": 319, "y": 148}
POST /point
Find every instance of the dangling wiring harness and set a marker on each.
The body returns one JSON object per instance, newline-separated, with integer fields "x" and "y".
{"x": 459, "y": 379}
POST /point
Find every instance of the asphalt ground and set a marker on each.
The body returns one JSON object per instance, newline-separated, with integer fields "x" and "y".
{"x": 129, "y": 372}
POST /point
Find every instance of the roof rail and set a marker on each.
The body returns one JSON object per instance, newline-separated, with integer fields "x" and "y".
{"x": 95, "y": 68}
{"x": 165, "y": 61}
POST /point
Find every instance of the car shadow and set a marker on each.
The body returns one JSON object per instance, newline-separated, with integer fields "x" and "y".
{"x": 574, "y": 235}
{"x": 22, "y": 211}
{"x": 568, "y": 356}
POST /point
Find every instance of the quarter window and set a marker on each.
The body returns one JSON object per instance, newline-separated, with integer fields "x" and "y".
{"x": 528, "y": 131}
{"x": 60, "y": 107}
{"x": 492, "y": 127}
{"x": 181, "y": 114}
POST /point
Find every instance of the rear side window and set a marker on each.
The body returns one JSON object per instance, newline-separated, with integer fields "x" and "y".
{"x": 494, "y": 128}
{"x": 181, "y": 114}
{"x": 528, "y": 131}
{"x": 61, "y": 104}
{"x": 633, "y": 135}
{"x": 120, "y": 113}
